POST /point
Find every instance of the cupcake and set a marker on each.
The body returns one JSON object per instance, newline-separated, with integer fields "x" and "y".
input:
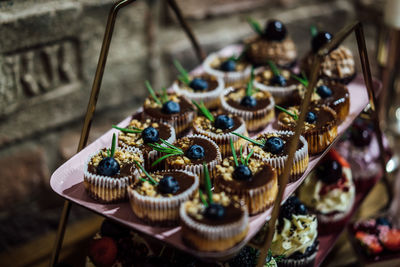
{"x": 248, "y": 256}
{"x": 156, "y": 197}
{"x": 249, "y": 179}
{"x": 202, "y": 87}
{"x": 320, "y": 126}
{"x": 139, "y": 134}
{"x": 233, "y": 70}
{"x": 295, "y": 239}
{"x": 337, "y": 66}
{"x": 273, "y": 148}
{"x": 255, "y": 107}
{"x": 189, "y": 153}
{"x": 216, "y": 222}
{"x": 329, "y": 192}
{"x": 170, "y": 108}
{"x": 219, "y": 128}
{"x": 279, "y": 82}
{"x": 108, "y": 173}
{"x": 273, "y": 44}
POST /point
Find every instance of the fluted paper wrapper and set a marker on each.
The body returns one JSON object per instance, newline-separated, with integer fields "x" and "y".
{"x": 207, "y": 237}
{"x": 255, "y": 120}
{"x": 161, "y": 210}
{"x": 304, "y": 262}
{"x": 230, "y": 77}
{"x": 223, "y": 139}
{"x": 105, "y": 189}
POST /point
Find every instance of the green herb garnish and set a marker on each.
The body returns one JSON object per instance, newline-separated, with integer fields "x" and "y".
{"x": 233, "y": 152}
{"x": 255, "y": 26}
{"x": 202, "y": 108}
{"x": 128, "y": 130}
{"x": 150, "y": 179}
{"x": 313, "y": 30}
{"x": 303, "y": 81}
{"x": 241, "y": 155}
{"x": 249, "y": 88}
{"x": 164, "y": 95}
{"x": 294, "y": 115}
{"x": 113, "y": 145}
{"x": 248, "y": 157}
{"x": 207, "y": 183}
{"x": 257, "y": 143}
{"x": 152, "y": 93}
{"x": 202, "y": 198}
{"x": 274, "y": 68}
{"x": 184, "y": 77}
{"x": 169, "y": 151}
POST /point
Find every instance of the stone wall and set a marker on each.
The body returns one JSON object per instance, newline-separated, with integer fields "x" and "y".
{"x": 48, "y": 55}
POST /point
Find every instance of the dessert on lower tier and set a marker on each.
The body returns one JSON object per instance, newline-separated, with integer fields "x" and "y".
{"x": 108, "y": 173}
{"x": 219, "y": 128}
{"x": 233, "y": 70}
{"x": 250, "y": 179}
{"x": 140, "y": 134}
{"x": 217, "y": 225}
{"x": 273, "y": 43}
{"x": 156, "y": 197}
{"x": 295, "y": 235}
{"x": 173, "y": 109}
{"x": 320, "y": 125}
{"x": 273, "y": 148}
{"x": 255, "y": 107}
{"x": 329, "y": 191}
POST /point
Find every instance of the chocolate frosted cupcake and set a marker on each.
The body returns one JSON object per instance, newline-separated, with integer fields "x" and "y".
{"x": 173, "y": 109}
{"x": 273, "y": 148}
{"x": 219, "y": 128}
{"x": 202, "y": 87}
{"x": 255, "y": 107}
{"x": 296, "y": 235}
{"x": 156, "y": 197}
{"x": 252, "y": 180}
{"x": 139, "y": 134}
{"x": 337, "y": 66}
{"x": 233, "y": 70}
{"x": 320, "y": 126}
{"x": 108, "y": 173}
{"x": 273, "y": 43}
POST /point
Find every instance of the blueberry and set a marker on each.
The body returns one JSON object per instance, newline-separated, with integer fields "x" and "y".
{"x": 289, "y": 208}
{"x": 329, "y": 171}
{"x": 108, "y": 167}
{"x": 214, "y": 211}
{"x": 383, "y": 221}
{"x": 228, "y": 65}
{"x": 320, "y": 40}
{"x": 150, "y": 135}
{"x": 274, "y": 145}
{"x": 248, "y": 101}
{"x": 198, "y": 84}
{"x": 171, "y": 107}
{"x": 278, "y": 80}
{"x": 311, "y": 117}
{"x": 168, "y": 185}
{"x": 242, "y": 172}
{"x": 195, "y": 152}
{"x": 324, "y": 91}
{"x": 301, "y": 209}
{"x": 223, "y": 122}
{"x": 361, "y": 137}
{"x": 275, "y": 30}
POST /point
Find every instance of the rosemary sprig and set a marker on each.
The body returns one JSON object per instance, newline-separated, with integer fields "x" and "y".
{"x": 184, "y": 77}
{"x": 255, "y": 26}
{"x": 169, "y": 151}
{"x": 249, "y": 88}
{"x": 303, "y": 81}
{"x": 152, "y": 93}
{"x": 294, "y": 115}
{"x": 233, "y": 152}
{"x": 313, "y": 31}
{"x": 248, "y": 157}
{"x": 127, "y": 130}
{"x": 274, "y": 68}
{"x": 113, "y": 145}
{"x": 202, "y": 108}
{"x": 241, "y": 155}
{"x": 108, "y": 152}
{"x": 202, "y": 198}
{"x": 164, "y": 95}
{"x": 257, "y": 143}
{"x": 150, "y": 179}
{"x": 207, "y": 183}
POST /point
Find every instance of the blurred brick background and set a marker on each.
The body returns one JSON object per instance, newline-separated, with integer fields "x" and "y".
{"x": 48, "y": 55}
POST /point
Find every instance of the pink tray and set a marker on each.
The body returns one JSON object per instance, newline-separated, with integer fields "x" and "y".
{"x": 67, "y": 181}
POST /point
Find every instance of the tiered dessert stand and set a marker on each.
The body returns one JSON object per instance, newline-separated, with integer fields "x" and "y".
{"x": 67, "y": 180}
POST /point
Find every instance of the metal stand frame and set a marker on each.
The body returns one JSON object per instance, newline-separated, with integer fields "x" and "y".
{"x": 357, "y": 27}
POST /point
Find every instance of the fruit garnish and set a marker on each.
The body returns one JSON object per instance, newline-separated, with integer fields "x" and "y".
{"x": 274, "y": 145}
{"x": 370, "y": 242}
{"x": 168, "y": 106}
{"x": 383, "y": 221}
{"x": 292, "y": 114}
{"x": 361, "y": 137}
{"x": 224, "y": 122}
{"x": 171, "y": 107}
{"x": 248, "y": 101}
{"x": 330, "y": 171}
{"x": 203, "y": 109}
{"x": 324, "y": 91}
{"x": 277, "y": 79}
{"x": 168, "y": 185}
{"x": 247, "y": 257}
{"x": 195, "y": 152}
{"x": 108, "y": 166}
{"x": 292, "y": 206}
{"x": 228, "y": 65}
{"x": 242, "y": 171}
{"x": 320, "y": 40}
{"x": 311, "y": 117}
{"x": 198, "y": 84}
{"x": 150, "y": 135}
{"x": 149, "y": 178}
{"x": 390, "y": 238}
{"x": 103, "y": 251}
{"x": 214, "y": 211}
{"x": 168, "y": 149}
{"x": 275, "y": 30}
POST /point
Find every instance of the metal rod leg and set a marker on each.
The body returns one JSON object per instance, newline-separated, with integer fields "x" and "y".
{"x": 60, "y": 233}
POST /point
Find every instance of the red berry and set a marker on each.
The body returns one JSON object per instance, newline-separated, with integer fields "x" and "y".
{"x": 103, "y": 251}
{"x": 370, "y": 242}
{"x": 390, "y": 238}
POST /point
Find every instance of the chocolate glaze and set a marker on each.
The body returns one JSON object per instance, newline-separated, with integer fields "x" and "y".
{"x": 232, "y": 214}
{"x": 184, "y": 104}
{"x": 236, "y": 123}
{"x": 260, "y": 78}
{"x": 164, "y": 132}
{"x": 212, "y": 82}
{"x": 339, "y": 96}
{"x": 286, "y": 139}
{"x": 210, "y": 152}
{"x": 125, "y": 169}
{"x": 261, "y": 103}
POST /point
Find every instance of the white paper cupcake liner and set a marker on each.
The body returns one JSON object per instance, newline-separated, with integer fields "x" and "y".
{"x": 223, "y": 139}
{"x": 198, "y": 168}
{"x": 161, "y": 210}
{"x": 210, "y": 98}
{"x": 300, "y": 160}
{"x": 255, "y": 120}
{"x": 106, "y": 189}
{"x": 231, "y": 77}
